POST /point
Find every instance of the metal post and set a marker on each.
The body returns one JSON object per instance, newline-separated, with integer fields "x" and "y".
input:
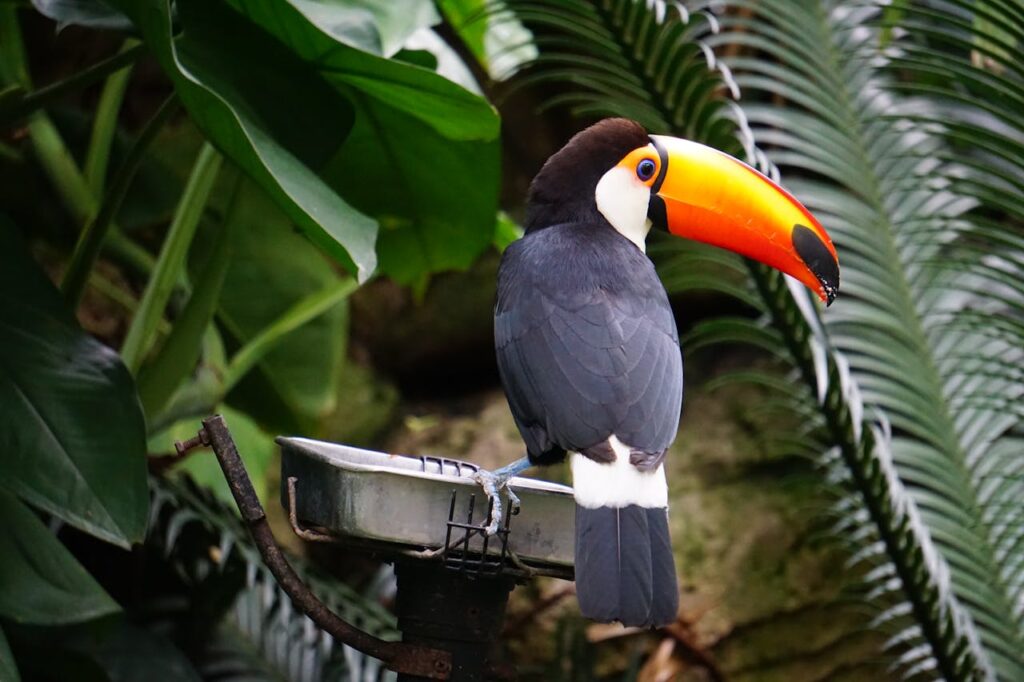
{"x": 445, "y": 609}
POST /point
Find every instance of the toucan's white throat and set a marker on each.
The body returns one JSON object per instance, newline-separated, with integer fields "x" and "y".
{"x": 622, "y": 199}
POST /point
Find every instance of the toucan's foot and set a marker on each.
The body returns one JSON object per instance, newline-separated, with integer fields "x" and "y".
{"x": 493, "y": 485}
{"x": 493, "y": 482}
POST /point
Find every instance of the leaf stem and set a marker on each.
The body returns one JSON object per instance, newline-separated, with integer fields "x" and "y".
{"x": 305, "y": 310}
{"x": 18, "y": 107}
{"x": 60, "y": 167}
{"x": 172, "y": 258}
{"x": 92, "y": 236}
{"x": 128, "y": 252}
{"x": 159, "y": 379}
{"x": 105, "y": 122}
{"x": 53, "y": 154}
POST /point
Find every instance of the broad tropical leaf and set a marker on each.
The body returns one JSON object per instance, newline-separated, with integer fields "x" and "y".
{"x": 269, "y": 257}
{"x": 41, "y": 583}
{"x": 252, "y": 117}
{"x": 72, "y": 434}
{"x": 422, "y": 156}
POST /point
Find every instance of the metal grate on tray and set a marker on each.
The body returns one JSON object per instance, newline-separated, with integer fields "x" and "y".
{"x": 466, "y": 542}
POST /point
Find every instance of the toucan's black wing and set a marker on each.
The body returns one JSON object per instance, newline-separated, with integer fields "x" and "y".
{"x": 586, "y": 343}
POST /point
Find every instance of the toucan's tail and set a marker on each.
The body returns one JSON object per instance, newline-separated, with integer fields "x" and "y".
{"x": 624, "y": 565}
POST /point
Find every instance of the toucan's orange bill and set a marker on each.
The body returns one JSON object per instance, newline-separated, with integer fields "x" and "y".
{"x": 709, "y": 196}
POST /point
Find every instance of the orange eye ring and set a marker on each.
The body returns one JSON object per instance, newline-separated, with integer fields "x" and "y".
{"x": 644, "y": 163}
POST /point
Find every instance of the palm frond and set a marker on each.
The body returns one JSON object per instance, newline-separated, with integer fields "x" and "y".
{"x": 923, "y": 280}
{"x": 914, "y": 343}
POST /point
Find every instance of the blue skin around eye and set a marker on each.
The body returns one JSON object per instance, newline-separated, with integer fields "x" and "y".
{"x": 645, "y": 169}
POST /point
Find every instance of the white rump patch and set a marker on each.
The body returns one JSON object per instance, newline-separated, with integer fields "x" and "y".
{"x": 617, "y": 484}
{"x": 622, "y": 199}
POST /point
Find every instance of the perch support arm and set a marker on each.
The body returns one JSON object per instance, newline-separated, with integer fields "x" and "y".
{"x": 404, "y": 658}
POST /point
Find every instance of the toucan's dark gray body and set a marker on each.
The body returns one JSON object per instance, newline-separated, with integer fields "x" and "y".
{"x": 587, "y": 344}
{"x": 587, "y": 348}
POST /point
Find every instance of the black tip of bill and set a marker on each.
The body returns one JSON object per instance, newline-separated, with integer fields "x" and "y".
{"x": 818, "y": 259}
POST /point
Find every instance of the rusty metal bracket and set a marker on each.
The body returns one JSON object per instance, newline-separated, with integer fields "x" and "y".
{"x": 293, "y": 519}
{"x": 403, "y": 658}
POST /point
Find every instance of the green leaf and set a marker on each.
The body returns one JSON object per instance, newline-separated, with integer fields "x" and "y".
{"x": 449, "y": 109}
{"x": 429, "y": 50}
{"x": 470, "y": 21}
{"x": 272, "y": 269}
{"x": 199, "y": 396}
{"x": 435, "y": 198}
{"x": 41, "y": 583}
{"x": 8, "y": 671}
{"x": 255, "y": 445}
{"x": 499, "y": 42}
{"x": 369, "y": 25}
{"x": 90, "y": 13}
{"x": 128, "y": 653}
{"x": 276, "y": 118}
{"x": 506, "y": 231}
{"x": 72, "y": 434}
{"x": 990, "y": 36}
{"x": 422, "y": 157}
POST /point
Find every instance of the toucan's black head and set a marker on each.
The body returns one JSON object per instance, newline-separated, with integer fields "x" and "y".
{"x": 563, "y": 190}
{"x": 614, "y": 173}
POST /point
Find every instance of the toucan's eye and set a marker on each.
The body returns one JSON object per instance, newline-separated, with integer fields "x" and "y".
{"x": 645, "y": 169}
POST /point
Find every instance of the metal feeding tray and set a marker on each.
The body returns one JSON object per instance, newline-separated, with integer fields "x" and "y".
{"x": 425, "y": 506}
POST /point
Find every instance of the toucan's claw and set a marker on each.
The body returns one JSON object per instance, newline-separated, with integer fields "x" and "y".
{"x": 493, "y": 483}
{"x": 513, "y": 500}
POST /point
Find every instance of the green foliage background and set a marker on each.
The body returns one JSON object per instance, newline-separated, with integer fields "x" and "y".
{"x": 293, "y": 151}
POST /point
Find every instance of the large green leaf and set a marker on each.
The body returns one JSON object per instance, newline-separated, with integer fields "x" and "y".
{"x": 128, "y": 653}
{"x": 369, "y": 25}
{"x": 276, "y": 118}
{"x": 72, "y": 435}
{"x": 423, "y": 155}
{"x": 451, "y": 110}
{"x": 91, "y": 13}
{"x": 499, "y": 42}
{"x": 41, "y": 583}
{"x": 272, "y": 269}
{"x": 8, "y": 671}
{"x": 436, "y": 206}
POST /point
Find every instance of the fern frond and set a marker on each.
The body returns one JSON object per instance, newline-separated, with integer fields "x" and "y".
{"x": 918, "y": 262}
{"x": 260, "y": 636}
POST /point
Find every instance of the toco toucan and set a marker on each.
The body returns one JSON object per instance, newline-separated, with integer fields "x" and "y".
{"x": 587, "y": 345}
